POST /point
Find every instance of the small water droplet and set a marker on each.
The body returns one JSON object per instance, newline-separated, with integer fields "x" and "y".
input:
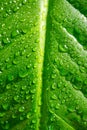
{"x": 85, "y": 117}
{"x": 2, "y": 114}
{"x": 54, "y": 86}
{"x": 23, "y": 74}
{"x": 10, "y": 77}
{"x": 28, "y": 115}
{"x": 14, "y": 62}
{"x": 54, "y": 97}
{"x": 0, "y": 71}
{"x": 24, "y": 87}
{"x": 15, "y": 9}
{"x": 6, "y": 40}
{"x": 13, "y": 116}
{"x": 17, "y": 53}
{"x": 16, "y": 98}
{"x": 5, "y": 106}
{"x": 7, "y": 126}
{"x": 21, "y": 109}
{"x": 33, "y": 121}
{"x": 24, "y": 1}
{"x": 21, "y": 118}
{"x": 27, "y": 97}
{"x": 62, "y": 48}
{"x": 15, "y": 33}
{"x": 8, "y": 86}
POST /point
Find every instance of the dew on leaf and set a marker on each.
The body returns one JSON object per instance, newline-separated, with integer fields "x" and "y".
{"x": 23, "y": 74}
{"x": 8, "y": 86}
{"x": 6, "y": 40}
{"x": 5, "y": 106}
{"x": 0, "y": 71}
{"x": 27, "y": 97}
{"x": 21, "y": 118}
{"x": 2, "y": 114}
{"x": 28, "y": 115}
{"x": 6, "y": 126}
{"x": 21, "y": 109}
{"x": 24, "y": 87}
{"x": 50, "y": 127}
{"x": 33, "y": 121}
{"x": 62, "y": 48}
{"x": 14, "y": 61}
{"x": 10, "y": 77}
{"x": 17, "y": 54}
{"x": 54, "y": 86}
{"x": 15, "y": 9}
{"x": 53, "y": 96}
{"x": 15, "y": 33}
{"x": 57, "y": 106}
{"x": 85, "y": 117}
{"x": 16, "y": 98}
{"x": 24, "y": 1}
{"x": 14, "y": 116}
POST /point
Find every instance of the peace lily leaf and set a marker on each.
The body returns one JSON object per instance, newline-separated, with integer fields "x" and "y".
{"x": 43, "y": 65}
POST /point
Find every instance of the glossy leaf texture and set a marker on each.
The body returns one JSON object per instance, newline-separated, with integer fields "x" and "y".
{"x": 43, "y": 65}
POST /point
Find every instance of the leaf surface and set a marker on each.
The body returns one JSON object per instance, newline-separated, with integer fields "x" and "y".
{"x": 43, "y": 65}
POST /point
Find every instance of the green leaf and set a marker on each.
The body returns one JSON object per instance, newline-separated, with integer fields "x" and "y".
{"x": 43, "y": 65}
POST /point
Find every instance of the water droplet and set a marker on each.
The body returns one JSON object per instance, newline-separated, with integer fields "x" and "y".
{"x": 23, "y": 52}
{"x": 15, "y": 9}
{"x": 8, "y": 86}
{"x": 85, "y": 117}
{"x": 21, "y": 118}
{"x": 5, "y": 15}
{"x": 62, "y": 48}
{"x": 15, "y": 33}
{"x": 24, "y": 1}
{"x": 7, "y": 126}
{"x": 24, "y": 30}
{"x": 17, "y": 53}
{"x": 50, "y": 127}
{"x": 32, "y": 91}
{"x": 71, "y": 108}
{"x": 27, "y": 97}
{"x": 10, "y": 77}
{"x": 33, "y": 121}
{"x": 53, "y": 97}
{"x": 21, "y": 109}
{"x": 28, "y": 115}
{"x": 54, "y": 86}
{"x": 0, "y": 71}
{"x": 23, "y": 74}
{"x": 24, "y": 87}
{"x": 14, "y": 62}
{"x": 57, "y": 106}
{"x": 13, "y": 116}
{"x": 6, "y": 40}
{"x": 5, "y": 106}
{"x": 16, "y": 98}
{"x": 2, "y": 114}
{"x": 7, "y": 60}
